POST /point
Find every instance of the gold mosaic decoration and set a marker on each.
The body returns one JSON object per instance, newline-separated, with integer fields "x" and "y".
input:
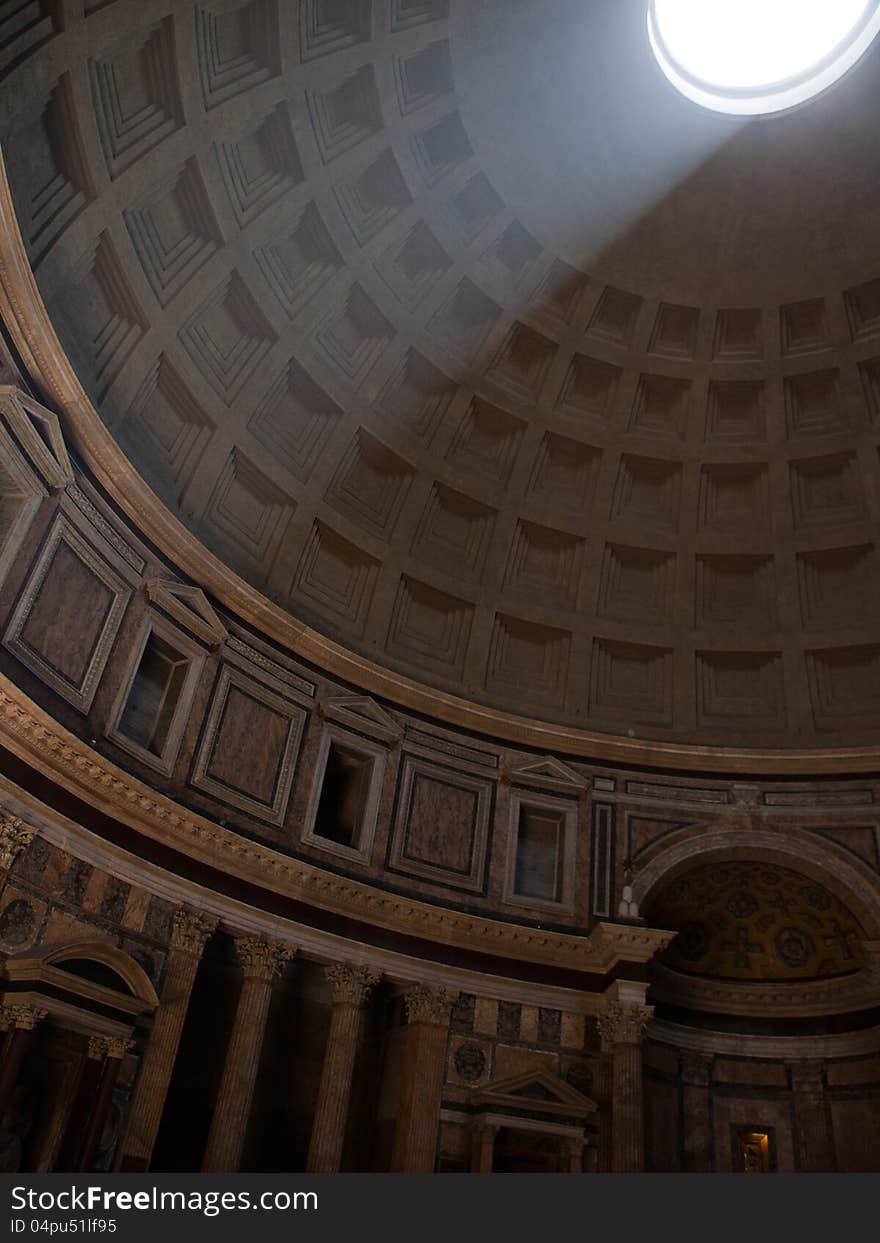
{"x": 754, "y": 921}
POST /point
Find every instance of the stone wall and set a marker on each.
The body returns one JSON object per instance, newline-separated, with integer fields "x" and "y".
{"x": 820, "y": 1113}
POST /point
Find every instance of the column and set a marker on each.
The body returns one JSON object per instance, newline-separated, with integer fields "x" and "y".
{"x": 190, "y": 931}
{"x": 424, "y": 1063}
{"x": 15, "y": 836}
{"x": 602, "y": 1090}
{"x": 622, "y": 1027}
{"x": 483, "y": 1148}
{"x": 22, "y": 1020}
{"x": 813, "y": 1141}
{"x": 109, "y": 1052}
{"x": 696, "y": 1076}
{"x": 350, "y": 987}
{"x": 261, "y": 961}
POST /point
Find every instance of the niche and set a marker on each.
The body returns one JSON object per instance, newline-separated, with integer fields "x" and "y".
{"x": 541, "y": 862}
{"x": 154, "y": 695}
{"x": 345, "y": 797}
{"x": 539, "y": 838}
{"x": 152, "y": 709}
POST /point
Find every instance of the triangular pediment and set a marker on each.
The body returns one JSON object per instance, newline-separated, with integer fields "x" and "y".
{"x": 189, "y": 607}
{"x": 39, "y": 435}
{"x": 549, "y": 773}
{"x": 361, "y": 713}
{"x": 531, "y": 1088}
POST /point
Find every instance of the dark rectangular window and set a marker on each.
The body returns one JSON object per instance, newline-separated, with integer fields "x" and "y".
{"x": 155, "y": 692}
{"x": 539, "y": 854}
{"x": 344, "y": 794}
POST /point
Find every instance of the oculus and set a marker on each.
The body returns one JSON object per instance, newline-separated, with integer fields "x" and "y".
{"x": 752, "y": 57}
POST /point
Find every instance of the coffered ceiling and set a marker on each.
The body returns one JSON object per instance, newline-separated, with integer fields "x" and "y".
{"x": 453, "y": 329}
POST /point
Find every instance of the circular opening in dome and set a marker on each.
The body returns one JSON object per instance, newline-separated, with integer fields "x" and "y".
{"x": 751, "y": 57}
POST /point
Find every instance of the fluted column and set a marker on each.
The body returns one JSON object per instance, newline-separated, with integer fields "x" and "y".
{"x": 22, "y": 1021}
{"x": 15, "y": 836}
{"x": 350, "y": 987}
{"x": 415, "y": 1137}
{"x": 696, "y": 1074}
{"x": 261, "y": 961}
{"x": 622, "y": 1027}
{"x": 603, "y": 1087}
{"x": 190, "y": 931}
{"x": 813, "y": 1140}
{"x": 109, "y": 1052}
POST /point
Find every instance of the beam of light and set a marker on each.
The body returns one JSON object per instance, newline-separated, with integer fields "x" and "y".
{"x": 757, "y": 56}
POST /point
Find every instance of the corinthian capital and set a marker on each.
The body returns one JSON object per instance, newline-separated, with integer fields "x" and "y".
{"x": 623, "y": 1024}
{"x": 101, "y": 1047}
{"x": 261, "y": 959}
{"x": 190, "y": 930}
{"x": 20, "y": 1016}
{"x": 429, "y": 1005}
{"x": 15, "y": 836}
{"x": 350, "y": 986}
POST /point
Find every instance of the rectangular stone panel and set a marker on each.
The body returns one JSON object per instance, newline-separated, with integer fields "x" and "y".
{"x": 249, "y": 747}
{"x": 441, "y": 826}
{"x": 68, "y": 656}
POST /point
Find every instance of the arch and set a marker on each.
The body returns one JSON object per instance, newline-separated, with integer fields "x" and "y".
{"x": 800, "y": 851}
{"x": 130, "y": 973}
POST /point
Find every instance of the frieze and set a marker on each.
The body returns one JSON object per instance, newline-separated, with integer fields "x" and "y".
{"x": 97, "y": 520}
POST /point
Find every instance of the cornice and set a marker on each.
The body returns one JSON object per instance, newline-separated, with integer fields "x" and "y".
{"x": 725, "y": 1044}
{"x": 782, "y": 999}
{"x": 32, "y": 735}
{"x": 312, "y": 942}
{"x": 24, "y": 312}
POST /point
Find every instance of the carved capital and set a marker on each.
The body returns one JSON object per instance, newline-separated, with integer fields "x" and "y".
{"x": 429, "y": 1005}
{"x": 261, "y": 959}
{"x": 191, "y": 929}
{"x": 101, "y": 1047}
{"x": 350, "y": 986}
{"x": 15, "y": 836}
{"x": 624, "y": 1024}
{"x": 22, "y": 1017}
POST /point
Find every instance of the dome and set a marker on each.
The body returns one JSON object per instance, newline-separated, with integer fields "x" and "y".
{"x": 439, "y": 625}
{"x": 557, "y": 425}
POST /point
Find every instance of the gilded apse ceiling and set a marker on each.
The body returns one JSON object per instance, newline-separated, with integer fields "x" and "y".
{"x": 450, "y": 326}
{"x": 754, "y": 921}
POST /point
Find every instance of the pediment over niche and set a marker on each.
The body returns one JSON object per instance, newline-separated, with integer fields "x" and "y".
{"x": 548, "y": 773}
{"x": 534, "y": 1090}
{"x": 361, "y": 713}
{"x": 189, "y": 607}
{"x": 39, "y": 436}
